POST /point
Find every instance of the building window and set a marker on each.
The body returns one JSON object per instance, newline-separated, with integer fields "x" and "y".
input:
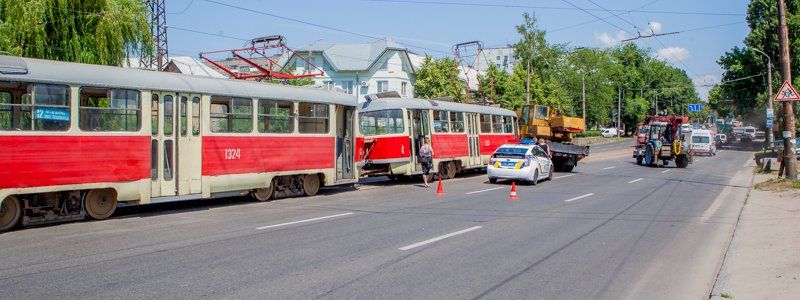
{"x": 328, "y": 84}
{"x": 385, "y": 65}
{"x": 313, "y": 118}
{"x": 347, "y": 86}
{"x": 382, "y": 122}
{"x": 275, "y": 116}
{"x": 456, "y": 121}
{"x": 46, "y": 110}
{"x": 109, "y": 110}
{"x": 486, "y": 123}
{"x": 441, "y": 121}
{"x": 498, "y": 57}
{"x": 403, "y": 88}
{"x": 383, "y": 86}
{"x": 497, "y": 124}
{"x": 229, "y": 114}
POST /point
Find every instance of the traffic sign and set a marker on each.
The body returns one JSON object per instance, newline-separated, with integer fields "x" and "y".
{"x": 787, "y": 93}
{"x": 695, "y": 107}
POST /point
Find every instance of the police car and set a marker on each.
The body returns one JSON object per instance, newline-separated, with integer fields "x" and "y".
{"x": 524, "y": 161}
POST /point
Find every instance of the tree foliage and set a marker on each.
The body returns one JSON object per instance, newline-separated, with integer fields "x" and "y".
{"x": 438, "y": 78}
{"x": 89, "y": 31}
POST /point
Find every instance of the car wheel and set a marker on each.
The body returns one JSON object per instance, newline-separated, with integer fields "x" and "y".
{"x": 535, "y": 177}
{"x": 639, "y": 160}
{"x": 492, "y": 180}
{"x": 550, "y": 176}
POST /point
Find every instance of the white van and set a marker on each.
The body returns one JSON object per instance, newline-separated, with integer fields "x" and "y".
{"x": 703, "y": 142}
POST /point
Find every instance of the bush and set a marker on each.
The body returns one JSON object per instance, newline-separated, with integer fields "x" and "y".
{"x": 589, "y": 133}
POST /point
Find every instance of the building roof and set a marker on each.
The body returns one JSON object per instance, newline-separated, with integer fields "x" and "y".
{"x": 28, "y": 69}
{"x": 418, "y": 103}
{"x": 191, "y": 66}
{"x": 352, "y": 57}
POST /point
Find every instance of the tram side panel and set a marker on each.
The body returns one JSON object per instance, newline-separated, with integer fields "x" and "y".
{"x": 490, "y": 143}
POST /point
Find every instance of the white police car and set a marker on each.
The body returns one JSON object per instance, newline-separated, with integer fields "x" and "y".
{"x": 524, "y": 161}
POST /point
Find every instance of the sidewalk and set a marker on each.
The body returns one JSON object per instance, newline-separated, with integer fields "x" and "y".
{"x": 763, "y": 261}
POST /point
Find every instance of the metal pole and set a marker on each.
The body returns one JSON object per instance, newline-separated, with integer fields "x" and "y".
{"x": 528, "y": 86}
{"x": 788, "y": 110}
{"x": 583, "y": 92}
{"x": 619, "y": 110}
{"x": 770, "y": 136}
{"x": 656, "y": 104}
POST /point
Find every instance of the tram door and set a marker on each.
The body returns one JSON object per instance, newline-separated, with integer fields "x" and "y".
{"x": 419, "y": 130}
{"x": 473, "y": 124}
{"x": 345, "y": 142}
{"x": 162, "y": 144}
{"x": 189, "y": 149}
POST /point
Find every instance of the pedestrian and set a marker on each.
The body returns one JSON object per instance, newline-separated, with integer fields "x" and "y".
{"x": 426, "y": 159}
{"x": 543, "y": 144}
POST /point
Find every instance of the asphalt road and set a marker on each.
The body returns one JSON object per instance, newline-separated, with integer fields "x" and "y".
{"x": 611, "y": 230}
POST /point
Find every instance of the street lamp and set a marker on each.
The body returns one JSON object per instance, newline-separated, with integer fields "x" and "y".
{"x": 769, "y": 95}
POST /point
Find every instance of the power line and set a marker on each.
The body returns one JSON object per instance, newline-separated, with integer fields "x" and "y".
{"x": 313, "y": 24}
{"x": 595, "y": 16}
{"x": 592, "y": 21}
{"x": 183, "y": 10}
{"x": 732, "y": 80}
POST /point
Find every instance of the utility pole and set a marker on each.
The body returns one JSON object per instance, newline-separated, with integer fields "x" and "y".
{"x": 583, "y": 93}
{"x": 157, "y": 17}
{"x": 528, "y": 86}
{"x": 789, "y": 146}
{"x": 770, "y": 137}
{"x": 656, "y": 104}
{"x": 619, "y": 110}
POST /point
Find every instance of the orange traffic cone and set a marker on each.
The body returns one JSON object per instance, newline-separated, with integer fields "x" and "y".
{"x": 513, "y": 196}
{"x": 440, "y": 189}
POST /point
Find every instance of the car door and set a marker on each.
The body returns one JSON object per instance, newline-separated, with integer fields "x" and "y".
{"x": 543, "y": 159}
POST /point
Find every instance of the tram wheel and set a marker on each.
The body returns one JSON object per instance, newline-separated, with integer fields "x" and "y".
{"x": 10, "y": 213}
{"x": 264, "y": 194}
{"x": 311, "y": 184}
{"x": 100, "y": 204}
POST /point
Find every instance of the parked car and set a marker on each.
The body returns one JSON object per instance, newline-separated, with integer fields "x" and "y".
{"x": 702, "y": 143}
{"x": 608, "y": 132}
{"x": 723, "y": 138}
{"x": 525, "y": 162}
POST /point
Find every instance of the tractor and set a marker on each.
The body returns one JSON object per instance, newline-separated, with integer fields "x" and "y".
{"x": 663, "y": 141}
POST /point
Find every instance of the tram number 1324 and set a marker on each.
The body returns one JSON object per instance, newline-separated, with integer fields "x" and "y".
{"x": 233, "y": 154}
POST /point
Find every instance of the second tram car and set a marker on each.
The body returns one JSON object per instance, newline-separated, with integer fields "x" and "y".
{"x": 463, "y": 136}
{"x": 80, "y": 139}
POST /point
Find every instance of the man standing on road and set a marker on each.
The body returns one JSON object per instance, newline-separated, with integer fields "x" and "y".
{"x": 426, "y": 158}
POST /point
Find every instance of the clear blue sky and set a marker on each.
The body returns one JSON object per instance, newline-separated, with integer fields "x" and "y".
{"x": 433, "y": 26}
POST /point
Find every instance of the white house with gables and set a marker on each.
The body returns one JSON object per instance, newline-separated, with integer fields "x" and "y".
{"x": 360, "y": 69}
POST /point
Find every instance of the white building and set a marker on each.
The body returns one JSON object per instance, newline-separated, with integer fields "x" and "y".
{"x": 359, "y": 69}
{"x": 502, "y": 58}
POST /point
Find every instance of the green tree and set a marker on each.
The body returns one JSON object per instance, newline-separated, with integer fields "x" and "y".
{"x": 439, "y": 78}
{"x": 90, "y": 31}
{"x": 635, "y": 111}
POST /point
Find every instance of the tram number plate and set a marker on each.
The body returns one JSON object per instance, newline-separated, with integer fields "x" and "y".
{"x": 233, "y": 153}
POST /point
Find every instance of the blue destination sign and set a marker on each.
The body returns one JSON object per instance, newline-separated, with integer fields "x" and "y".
{"x": 51, "y": 113}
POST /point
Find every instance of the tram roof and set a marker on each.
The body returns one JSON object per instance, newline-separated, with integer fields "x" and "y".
{"x": 29, "y": 69}
{"x": 416, "y": 103}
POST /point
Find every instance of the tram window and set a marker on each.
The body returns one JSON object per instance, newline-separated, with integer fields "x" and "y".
{"x": 381, "y": 122}
{"x": 168, "y": 160}
{"x": 196, "y": 116}
{"x": 275, "y": 116}
{"x": 182, "y": 111}
{"x": 440, "y": 121}
{"x": 508, "y": 125}
{"x": 109, "y": 109}
{"x": 154, "y": 114}
{"x": 169, "y": 115}
{"x": 46, "y": 110}
{"x": 456, "y": 121}
{"x": 230, "y": 114}
{"x": 313, "y": 118}
{"x": 486, "y": 123}
{"x": 154, "y": 159}
{"x": 497, "y": 124}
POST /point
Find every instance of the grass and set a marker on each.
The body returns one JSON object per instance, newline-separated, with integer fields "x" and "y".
{"x": 778, "y": 185}
{"x": 726, "y": 295}
{"x": 589, "y": 133}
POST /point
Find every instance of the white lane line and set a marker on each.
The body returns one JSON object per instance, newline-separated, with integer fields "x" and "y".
{"x": 608, "y": 168}
{"x": 439, "y": 238}
{"x": 579, "y": 197}
{"x": 665, "y": 171}
{"x": 564, "y": 176}
{"x": 635, "y": 180}
{"x": 304, "y": 221}
{"x": 486, "y": 190}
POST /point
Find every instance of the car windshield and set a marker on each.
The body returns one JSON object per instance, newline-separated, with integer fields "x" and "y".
{"x": 510, "y": 152}
{"x": 700, "y": 139}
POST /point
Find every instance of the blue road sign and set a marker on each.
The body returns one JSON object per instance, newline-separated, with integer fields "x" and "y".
{"x": 695, "y": 107}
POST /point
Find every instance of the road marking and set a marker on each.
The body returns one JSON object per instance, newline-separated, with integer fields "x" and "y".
{"x": 665, "y": 171}
{"x": 304, "y": 221}
{"x": 608, "y": 168}
{"x": 486, "y": 190}
{"x": 635, "y": 180}
{"x": 439, "y": 238}
{"x": 579, "y": 197}
{"x": 564, "y": 176}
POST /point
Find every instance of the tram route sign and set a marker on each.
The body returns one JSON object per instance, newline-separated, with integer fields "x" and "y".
{"x": 51, "y": 113}
{"x": 787, "y": 93}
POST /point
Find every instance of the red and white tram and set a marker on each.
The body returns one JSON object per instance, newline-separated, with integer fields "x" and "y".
{"x": 463, "y": 136}
{"x": 76, "y": 139}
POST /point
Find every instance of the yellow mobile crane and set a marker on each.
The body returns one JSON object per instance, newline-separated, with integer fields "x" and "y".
{"x": 540, "y": 121}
